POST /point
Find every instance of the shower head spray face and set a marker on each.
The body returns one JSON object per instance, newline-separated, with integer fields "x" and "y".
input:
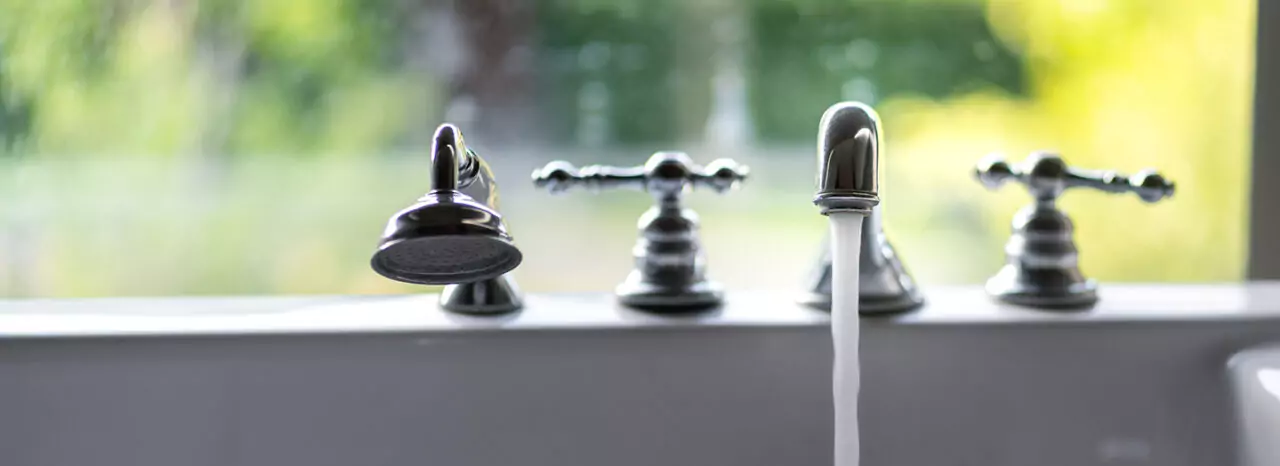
{"x": 445, "y": 238}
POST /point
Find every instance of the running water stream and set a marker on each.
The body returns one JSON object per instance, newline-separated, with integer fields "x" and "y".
{"x": 846, "y": 239}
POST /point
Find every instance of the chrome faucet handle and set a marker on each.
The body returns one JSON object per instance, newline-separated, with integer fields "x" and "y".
{"x": 560, "y": 176}
{"x": 1046, "y": 177}
{"x": 665, "y": 174}
{"x": 670, "y": 268}
{"x": 1042, "y": 264}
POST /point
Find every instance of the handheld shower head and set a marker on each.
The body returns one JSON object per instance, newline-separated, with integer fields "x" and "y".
{"x": 448, "y": 237}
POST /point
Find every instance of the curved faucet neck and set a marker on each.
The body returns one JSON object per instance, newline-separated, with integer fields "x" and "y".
{"x": 455, "y": 167}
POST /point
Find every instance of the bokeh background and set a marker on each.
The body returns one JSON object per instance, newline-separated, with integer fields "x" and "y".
{"x": 172, "y": 147}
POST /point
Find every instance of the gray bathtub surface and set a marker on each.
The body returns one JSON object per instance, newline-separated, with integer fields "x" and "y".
{"x": 576, "y": 380}
{"x": 43, "y": 318}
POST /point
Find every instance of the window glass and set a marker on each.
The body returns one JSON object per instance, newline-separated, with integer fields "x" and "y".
{"x": 159, "y": 147}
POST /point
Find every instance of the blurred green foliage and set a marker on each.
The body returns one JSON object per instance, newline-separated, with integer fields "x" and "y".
{"x": 239, "y": 146}
{"x": 217, "y": 78}
{"x": 590, "y": 50}
{"x": 869, "y": 51}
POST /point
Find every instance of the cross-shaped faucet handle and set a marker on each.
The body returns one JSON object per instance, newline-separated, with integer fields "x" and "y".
{"x": 1046, "y": 176}
{"x": 1042, "y": 263}
{"x": 669, "y": 273}
{"x": 666, "y": 174}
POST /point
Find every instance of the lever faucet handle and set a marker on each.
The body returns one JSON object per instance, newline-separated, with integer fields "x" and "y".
{"x": 1041, "y": 259}
{"x": 665, "y": 173}
{"x": 721, "y": 175}
{"x": 1046, "y": 176}
{"x": 669, "y": 272}
{"x": 560, "y": 176}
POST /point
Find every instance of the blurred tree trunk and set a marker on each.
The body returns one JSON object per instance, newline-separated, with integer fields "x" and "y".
{"x": 497, "y": 73}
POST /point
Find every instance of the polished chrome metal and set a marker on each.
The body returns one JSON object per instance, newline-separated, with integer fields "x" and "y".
{"x": 1042, "y": 267}
{"x": 497, "y": 295}
{"x": 884, "y": 285}
{"x": 849, "y": 143}
{"x": 848, "y": 151}
{"x": 454, "y": 235}
{"x": 670, "y": 268}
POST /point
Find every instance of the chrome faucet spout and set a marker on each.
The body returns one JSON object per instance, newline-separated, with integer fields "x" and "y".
{"x": 848, "y": 154}
{"x": 850, "y": 142}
